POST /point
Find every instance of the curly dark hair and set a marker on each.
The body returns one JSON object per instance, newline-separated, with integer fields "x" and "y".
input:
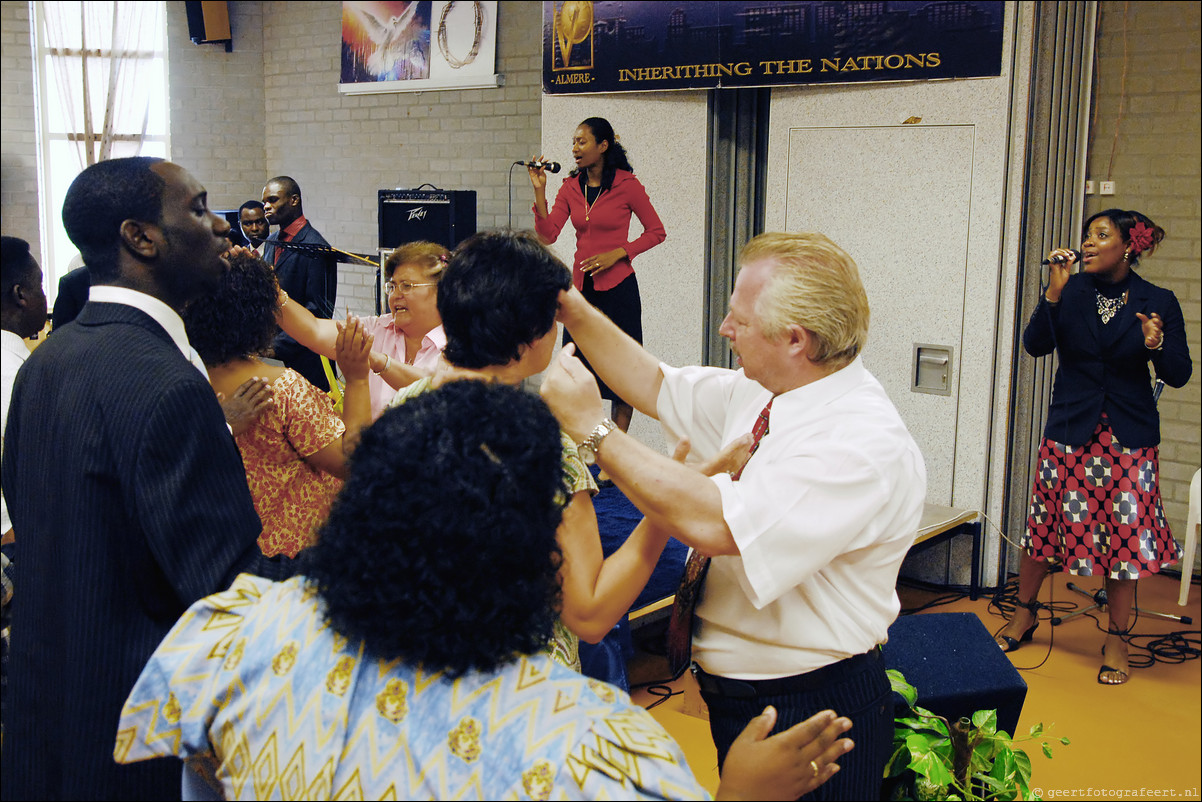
{"x": 440, "y": 549}
{"x": 237, "y": 320}
{"x": 100, "y": 199}
{"x": 1124, "y": 220}
{"x": 500, "y": 292}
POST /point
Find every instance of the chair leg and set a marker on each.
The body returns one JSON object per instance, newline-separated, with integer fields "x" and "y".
{"x": 1191, "y": 537}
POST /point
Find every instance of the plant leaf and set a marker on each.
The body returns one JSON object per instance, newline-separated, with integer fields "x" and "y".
{"x": 1036, "y": 729}
{"x": 899, "y": 686}
{"x": 933, "y": 768}
{"x": 985, "y": 720}
{"x": 1022, "y": 765}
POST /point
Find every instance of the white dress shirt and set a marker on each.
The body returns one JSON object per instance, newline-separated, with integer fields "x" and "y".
{"x": 164, "y": 315}
{"x": 823, "y": 515}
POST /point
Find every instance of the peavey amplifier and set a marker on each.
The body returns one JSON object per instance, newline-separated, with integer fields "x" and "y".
{"x": 437, "y": 215}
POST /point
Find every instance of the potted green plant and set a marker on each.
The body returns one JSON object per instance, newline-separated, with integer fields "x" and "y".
{"x": 969, "y": 759}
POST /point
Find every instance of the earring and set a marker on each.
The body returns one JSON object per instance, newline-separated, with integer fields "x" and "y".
{"x": 1127, "y": 255}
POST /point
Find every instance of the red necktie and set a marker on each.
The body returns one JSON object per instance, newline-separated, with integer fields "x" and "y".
{"x": 680, "y": 625}
{"x": 277, "y": 250}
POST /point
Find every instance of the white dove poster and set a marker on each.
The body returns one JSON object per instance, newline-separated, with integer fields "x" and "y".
{"x": 418, "y": 46}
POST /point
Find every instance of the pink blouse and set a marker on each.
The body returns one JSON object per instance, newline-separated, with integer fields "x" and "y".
{"x": 389, "y": 340}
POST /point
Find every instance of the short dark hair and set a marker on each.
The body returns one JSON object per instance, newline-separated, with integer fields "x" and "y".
{"x": 17, "y": 264}
{"x": 288, "y": 183}
{"x": 250, "y": 204}
{"x": 237, "y": 320}
{"x": 102, "y": 197}
{"x": 500, "y": 291}
{"x": 440, "y": 550}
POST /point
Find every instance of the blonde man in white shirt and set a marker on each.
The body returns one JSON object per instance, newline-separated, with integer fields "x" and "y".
{"x": 808, "y": 537}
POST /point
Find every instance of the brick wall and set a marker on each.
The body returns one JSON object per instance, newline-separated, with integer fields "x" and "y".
{"x": 1156, "y": 171}
{"x": 341, "y": 149}
{"x": 19, "y": 212}
{"x": 272, "y": 106}
{"x": 217, "y": 101}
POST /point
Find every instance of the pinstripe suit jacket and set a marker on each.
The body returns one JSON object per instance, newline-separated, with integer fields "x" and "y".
{"x": 129, "y": 502}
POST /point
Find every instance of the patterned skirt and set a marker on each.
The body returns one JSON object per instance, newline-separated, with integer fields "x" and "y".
{"x": 1097, "y": 507}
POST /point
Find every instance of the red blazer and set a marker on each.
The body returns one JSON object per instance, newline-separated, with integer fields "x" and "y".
{"x": 607, "y": 226}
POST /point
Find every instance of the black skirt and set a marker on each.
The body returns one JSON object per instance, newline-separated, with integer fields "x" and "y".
{"x": 622, "y": 305}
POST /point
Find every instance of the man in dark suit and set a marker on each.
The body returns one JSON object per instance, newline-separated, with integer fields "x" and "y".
{"x": 123, "y": 482}
{"x": 253, "y": 222}
{"x": 310, "y": 280}
{"x": 72, "y": 295}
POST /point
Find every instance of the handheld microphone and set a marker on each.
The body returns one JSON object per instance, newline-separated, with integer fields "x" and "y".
{"x": 1059, "y": 260}
{"x": 550, "y": 167}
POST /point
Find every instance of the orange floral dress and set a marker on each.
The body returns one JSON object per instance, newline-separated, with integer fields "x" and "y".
{"x": 291, "y": 496}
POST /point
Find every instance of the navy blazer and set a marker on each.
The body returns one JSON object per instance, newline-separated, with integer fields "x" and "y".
{"x": 312, "y": 282}
{"x": 1104, "y": 368}
{"x": 129, "y": 502}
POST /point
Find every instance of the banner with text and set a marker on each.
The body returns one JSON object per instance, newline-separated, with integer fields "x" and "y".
{"x": 650, "y": 46}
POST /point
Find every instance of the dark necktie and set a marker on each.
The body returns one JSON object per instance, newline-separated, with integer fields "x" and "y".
{"x": 680, "y": 625}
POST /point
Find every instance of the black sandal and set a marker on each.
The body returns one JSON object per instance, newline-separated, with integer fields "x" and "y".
{"x": 1012, "y": 643}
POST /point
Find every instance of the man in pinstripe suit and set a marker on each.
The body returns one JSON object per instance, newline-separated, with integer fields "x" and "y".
{"x": 124, "y": 483}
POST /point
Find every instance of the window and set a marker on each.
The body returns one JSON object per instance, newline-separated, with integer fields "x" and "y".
{"x": 102, "y": 93}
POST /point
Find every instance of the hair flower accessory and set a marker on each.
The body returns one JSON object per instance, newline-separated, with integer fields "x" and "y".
{"x": 1140, "y": 238}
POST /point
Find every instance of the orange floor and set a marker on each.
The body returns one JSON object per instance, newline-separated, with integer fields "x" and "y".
{"x": 1139, "y": 740}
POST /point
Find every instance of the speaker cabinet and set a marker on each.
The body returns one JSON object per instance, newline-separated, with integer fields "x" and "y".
{"x": 209, "y": 23}
{"x": 443, "y": 216}
{"x": 957, "y": 669}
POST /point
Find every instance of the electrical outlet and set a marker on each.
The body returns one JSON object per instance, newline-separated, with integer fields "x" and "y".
{"x": 1106, "y": 188}
{"x": 1089, "y": 187}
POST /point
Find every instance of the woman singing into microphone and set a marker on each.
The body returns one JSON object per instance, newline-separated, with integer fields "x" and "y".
{"x": 599, "y": 196}
{"x": 1096, "y": 497}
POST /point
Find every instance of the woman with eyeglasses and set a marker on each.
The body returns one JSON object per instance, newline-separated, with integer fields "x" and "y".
{"x": 408, "y": 340}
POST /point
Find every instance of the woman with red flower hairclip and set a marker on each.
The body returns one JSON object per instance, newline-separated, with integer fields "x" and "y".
{"x": 1096, "y": 499}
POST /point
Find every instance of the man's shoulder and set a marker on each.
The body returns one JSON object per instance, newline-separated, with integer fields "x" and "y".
{"x": 310, "y": 235}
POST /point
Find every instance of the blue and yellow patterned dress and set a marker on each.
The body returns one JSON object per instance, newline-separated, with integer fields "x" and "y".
{"x": 264, "y": 700}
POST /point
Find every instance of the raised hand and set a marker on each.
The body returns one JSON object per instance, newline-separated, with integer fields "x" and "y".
{"x": 1153, "y": 328}
{"x": 1058, "y": 272}
{"x": 353, "y": 349}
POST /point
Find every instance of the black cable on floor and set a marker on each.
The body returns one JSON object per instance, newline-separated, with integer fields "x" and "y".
{"x": 948, "y": 595}
{"x": 664, "y": 692}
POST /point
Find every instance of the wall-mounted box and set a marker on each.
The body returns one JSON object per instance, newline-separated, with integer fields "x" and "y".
{"x": 932, "y": 369}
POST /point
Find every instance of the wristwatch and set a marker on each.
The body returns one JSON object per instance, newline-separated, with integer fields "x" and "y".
{"x": 588, "y": 449}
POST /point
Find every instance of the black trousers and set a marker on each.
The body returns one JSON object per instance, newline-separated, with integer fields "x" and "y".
{"x": 856, "y": 688}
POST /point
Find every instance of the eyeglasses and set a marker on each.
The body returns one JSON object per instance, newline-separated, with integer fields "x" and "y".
{"x": 405, "y": 287}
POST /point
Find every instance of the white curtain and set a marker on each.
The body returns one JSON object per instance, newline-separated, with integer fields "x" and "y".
{"x": 98, "y": 52}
